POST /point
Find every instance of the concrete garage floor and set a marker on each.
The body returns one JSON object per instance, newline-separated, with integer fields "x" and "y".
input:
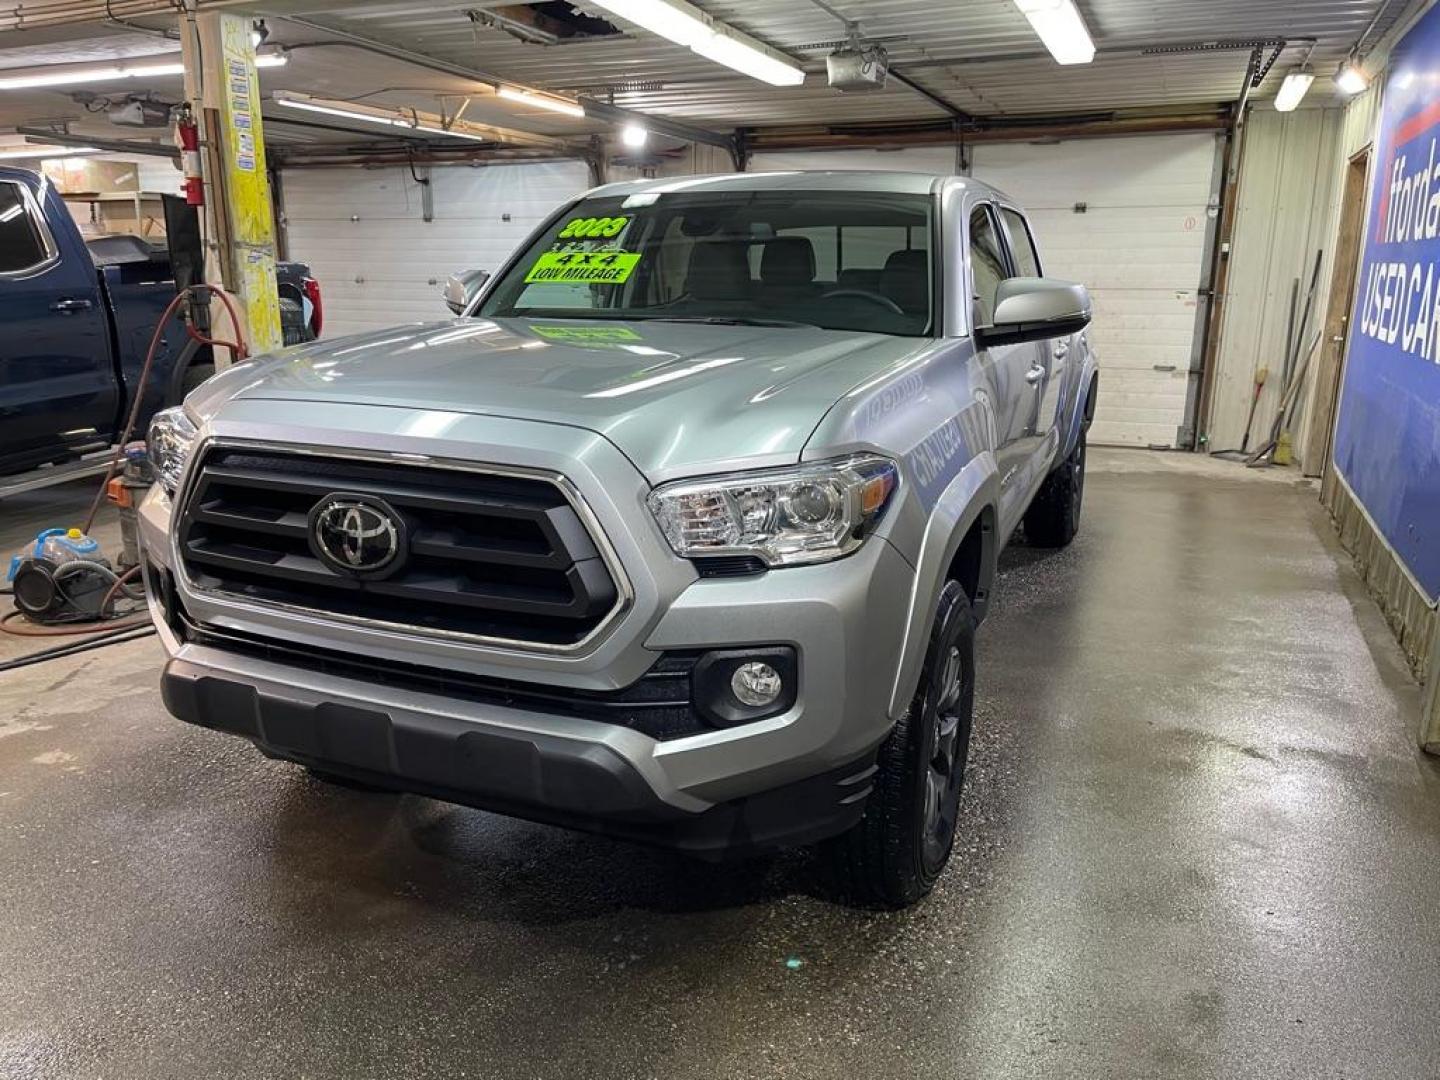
{"x": 1199, "y": 842}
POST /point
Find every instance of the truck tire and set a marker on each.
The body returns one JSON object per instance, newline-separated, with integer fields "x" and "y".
{"x": 893, "y": 856}
{"x": 1054, "y": 517}
{"x": 194, "y": 375}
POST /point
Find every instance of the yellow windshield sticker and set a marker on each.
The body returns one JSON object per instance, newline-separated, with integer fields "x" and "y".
{"x": 587, "y": 333}
{"x": 583, "y": 267}
{"x": 593, "y": 228}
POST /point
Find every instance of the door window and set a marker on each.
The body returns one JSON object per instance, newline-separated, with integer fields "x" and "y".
{"x": 1022, "y": 245}
{"x": 987, "y": 263}
{"x": 25, "y": 242}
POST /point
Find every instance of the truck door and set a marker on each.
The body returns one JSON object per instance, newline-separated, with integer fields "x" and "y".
{"x": 1008, "y": 368}
{"x": 1051, "y": 356}
{"x": 57, "y": 385}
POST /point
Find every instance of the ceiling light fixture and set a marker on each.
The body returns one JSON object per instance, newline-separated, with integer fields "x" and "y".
{"x": 1292, "y": 90}
{"x": 543, "y": 101}
{"x": 46, "y": 152}
{"x": 686, "y": 25}
{"x": 258, "y": 33}
{"x": 634, "y": 136}
{"x": 74, "y": 76}
{"x": 1351, "y": 77}
{"x": 1060, "y": 28}
{"x": 387, "y": 119}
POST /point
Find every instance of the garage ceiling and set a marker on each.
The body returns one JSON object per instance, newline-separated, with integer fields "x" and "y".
{"x": 979, "y": 55}
{"x": 977, "y": 58}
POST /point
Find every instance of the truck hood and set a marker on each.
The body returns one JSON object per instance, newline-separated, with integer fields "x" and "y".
{"x": 676, "y": 398}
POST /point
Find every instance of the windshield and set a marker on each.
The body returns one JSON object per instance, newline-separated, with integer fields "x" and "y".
{"x": 831, "y": 259}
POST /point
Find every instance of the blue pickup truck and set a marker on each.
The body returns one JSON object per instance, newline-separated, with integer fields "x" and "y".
{"x": 76, "y": 319}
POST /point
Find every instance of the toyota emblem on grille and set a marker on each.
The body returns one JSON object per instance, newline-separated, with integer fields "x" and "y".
{"x": 357, "y": 536}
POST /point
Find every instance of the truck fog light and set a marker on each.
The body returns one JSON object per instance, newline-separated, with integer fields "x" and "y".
{"x": 740, "y": 686}
{"x": 756, "y": 684}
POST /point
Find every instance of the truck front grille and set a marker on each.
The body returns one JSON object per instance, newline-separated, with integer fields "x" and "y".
{"x": 484, "y": 555}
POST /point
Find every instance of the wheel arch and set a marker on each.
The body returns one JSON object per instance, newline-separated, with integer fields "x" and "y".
{"x": 961, "y": 540}
{"x": 1082, "y": 412}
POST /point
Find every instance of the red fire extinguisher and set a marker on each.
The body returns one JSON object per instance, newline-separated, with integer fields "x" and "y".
{"x": 187, "y": 135}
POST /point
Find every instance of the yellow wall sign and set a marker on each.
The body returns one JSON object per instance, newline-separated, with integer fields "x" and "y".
{"x": 583, "y": 267}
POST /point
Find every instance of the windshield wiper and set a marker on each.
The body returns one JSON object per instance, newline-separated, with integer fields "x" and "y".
{"x": 732, "y": 320}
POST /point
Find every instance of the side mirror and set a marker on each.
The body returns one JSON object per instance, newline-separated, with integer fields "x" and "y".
{"x": 1034, "y": 309}
{"x": 461, "y": 288}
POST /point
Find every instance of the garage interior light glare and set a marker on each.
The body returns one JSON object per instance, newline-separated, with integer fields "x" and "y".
{"x": 1060, "y": 28}
{"x": 677, "y": 21}
{"x": 543, "y": 101}
{"x": 1351, "y": 79}
{"x": 76, "y": 76}
{"x": 46, "y": 152}
{"x": 634, "y": 136}
{"x": 1293, "y": 90}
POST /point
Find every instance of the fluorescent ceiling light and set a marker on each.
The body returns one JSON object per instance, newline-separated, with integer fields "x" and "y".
{"x": 1292, "y": 90}
{"x": 377, "y": 117}
{"x": 1351, "y": 79}
{"x": 1059, "y": 26}
{"x": 748, "y": 60}
{"x": 73, "y": 76}
{"x": 685, "y": 25}
{"x": 543, "y": 101}
{"x": 634, "y": 136}
{"x": 46, "y": 152}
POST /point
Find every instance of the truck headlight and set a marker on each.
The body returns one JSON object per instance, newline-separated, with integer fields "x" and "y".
{"x": 785, "y": 517}
{"x": 172, "y": 437}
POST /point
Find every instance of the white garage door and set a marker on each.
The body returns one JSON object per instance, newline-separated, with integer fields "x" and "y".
{"x": 1139, "y": 244}
{"x": 380, "y": 263}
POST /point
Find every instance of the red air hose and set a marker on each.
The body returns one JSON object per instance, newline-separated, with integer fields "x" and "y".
{"x": 239, "y": 349}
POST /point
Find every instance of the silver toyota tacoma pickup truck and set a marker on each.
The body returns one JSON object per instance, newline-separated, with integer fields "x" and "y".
{"x": 680, "y": 533}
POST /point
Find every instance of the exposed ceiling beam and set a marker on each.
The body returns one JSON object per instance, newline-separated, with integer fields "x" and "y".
{"x": 600, "y": 110}
{"x": 935, "y": 99}
{"x": 1029, "y": 130}
{"x": 115, "y": 146}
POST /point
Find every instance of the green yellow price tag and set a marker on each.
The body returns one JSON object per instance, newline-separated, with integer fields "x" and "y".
{"x": 593, "y": 228}
{"x": 583, "y": 267}
{"x": 587, "y": 333}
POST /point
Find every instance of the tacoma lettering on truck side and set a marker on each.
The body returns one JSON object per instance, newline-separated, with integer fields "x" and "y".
{"x": 681, "y": 532}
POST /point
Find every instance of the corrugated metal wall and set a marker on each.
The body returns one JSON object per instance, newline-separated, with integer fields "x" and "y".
{"x": 1284, "y": 214}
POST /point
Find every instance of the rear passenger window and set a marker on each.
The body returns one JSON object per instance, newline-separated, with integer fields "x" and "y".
{"x": 24, "y": 242}
{"x": 1022, "y": 245}
{"x": 987, "y": 264}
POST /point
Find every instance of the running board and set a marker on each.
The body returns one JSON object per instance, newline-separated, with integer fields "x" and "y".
{"x": 92, "y": 464}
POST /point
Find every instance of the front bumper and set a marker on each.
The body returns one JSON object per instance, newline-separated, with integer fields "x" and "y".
{"x": 547, "y": 777}
{"x": 786, "y": 779}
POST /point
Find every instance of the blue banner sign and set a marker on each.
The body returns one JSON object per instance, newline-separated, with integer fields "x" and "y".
{"x": 1387, "y": 438}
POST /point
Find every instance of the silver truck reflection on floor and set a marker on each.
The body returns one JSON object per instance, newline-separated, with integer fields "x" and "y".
{"x": 680, "y": 533}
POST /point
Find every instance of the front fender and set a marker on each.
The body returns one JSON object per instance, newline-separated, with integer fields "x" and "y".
{"x": 971, "y": 496}
{"x": 1080, "y": 409}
